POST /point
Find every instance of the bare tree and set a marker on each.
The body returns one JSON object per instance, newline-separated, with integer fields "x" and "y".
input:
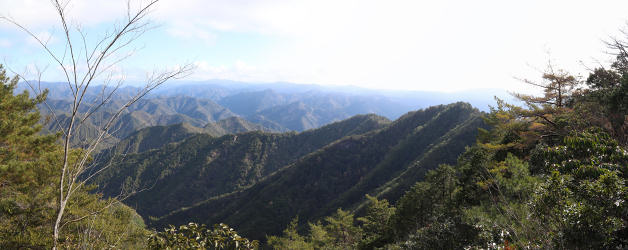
{"x": 84, "y": 65}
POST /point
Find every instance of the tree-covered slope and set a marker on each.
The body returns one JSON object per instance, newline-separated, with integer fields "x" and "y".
{"x": 547, "y": 175}
{"x": 157, "y": 136}
{"x": 151, "y": 138}
{"x": 87, "y": 130}
{"x": 248, "y": 103}
{"x": 233, "y": 125}
{"x": 203, "y": 166}
{"x": 144, "y": 113}
{"x": 341, "y": 173}
{"x": 295, "y": 116}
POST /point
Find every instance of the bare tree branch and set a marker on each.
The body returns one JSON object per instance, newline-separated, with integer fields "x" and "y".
{"x": 83, "y": 66}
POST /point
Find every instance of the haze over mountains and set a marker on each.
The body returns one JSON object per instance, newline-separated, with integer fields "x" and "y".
{"x": 275, "y": 106}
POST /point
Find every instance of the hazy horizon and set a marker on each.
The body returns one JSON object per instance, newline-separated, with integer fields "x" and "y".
{"x": 227, "y": 82}
{"x": 397, "y": 45}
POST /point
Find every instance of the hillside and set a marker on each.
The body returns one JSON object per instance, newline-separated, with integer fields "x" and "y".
{"x": 157, "y": 136}
{"x": 202, "y": 166}
{"x": 233, "y": 125}
{"x": 144, "y": 113}
{"x": 151, "y": 138}
{"x": 87, "y": 130}
{"x": 341, "y": 173}
{"x": 248, "y": 103}
{"x": 294, "y": 116}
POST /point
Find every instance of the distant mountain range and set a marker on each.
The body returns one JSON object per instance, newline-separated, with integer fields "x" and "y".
{"x": 410, "y": 99}
{"x": 274, "y": 106}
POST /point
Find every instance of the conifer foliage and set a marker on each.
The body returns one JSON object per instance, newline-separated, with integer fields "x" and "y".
{"x": 29, "y": 167}
{"x": 24, "y": 177}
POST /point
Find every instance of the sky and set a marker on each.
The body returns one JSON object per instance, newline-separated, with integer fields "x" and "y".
{"x": 405, "y": 45}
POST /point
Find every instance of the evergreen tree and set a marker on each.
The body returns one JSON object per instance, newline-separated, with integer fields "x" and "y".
{"x": 26, "y": 172}
{"x": 547, "y": 112}
{"x": 376, "y": 224}
{"x": 29, "y": 167}
{"x": 194, "y": 236}
{"x": 291, "y": 239}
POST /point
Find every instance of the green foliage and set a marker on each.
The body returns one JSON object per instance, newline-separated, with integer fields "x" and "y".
{"x": 606, "y": 100}
{"x": 291, "y": 239}
{"x": 25, "y": 170}
{"x": 427, "y": 215}
{"x": 194, "y": 236}
{"x": 541, "y": 177}
{"x": 509, "y": 132}
{"x": 426, "y": 202}
{"x": 336, "y": 232}
{"x": 341, "y": 231}
{"x": 29, "y": 168}
{"x": 585, "y": 195}
{"x": 549, "y": 114}
{"x": 376, "y": 224}
{"x": 232, "y": 125}
{"x": 102, "y": 224}
{"x": 503, "y": 215}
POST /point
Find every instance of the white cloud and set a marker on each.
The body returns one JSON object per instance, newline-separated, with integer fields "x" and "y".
{"x": 409, "y": 44}
{"x": 237, "y": 71}
{"x": 212, "y": 14}
{"x": 190, "y": 31}
{"x": 5, "y": 43}
{"x": 38, "y": 14}
{"x": 444, "y": 45}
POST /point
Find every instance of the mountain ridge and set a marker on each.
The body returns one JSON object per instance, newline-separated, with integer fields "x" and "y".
{"x": 217, "y": 165}
{"x": 324, "y": 175}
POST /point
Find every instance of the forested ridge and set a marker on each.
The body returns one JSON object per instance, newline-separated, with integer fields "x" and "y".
{"x": 333, "y": 176}
{"x": 549, "y": 173}
{"x": 203, "y": 166}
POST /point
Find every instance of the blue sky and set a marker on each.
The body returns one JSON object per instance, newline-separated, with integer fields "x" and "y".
{"x": 420, "y": 45}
